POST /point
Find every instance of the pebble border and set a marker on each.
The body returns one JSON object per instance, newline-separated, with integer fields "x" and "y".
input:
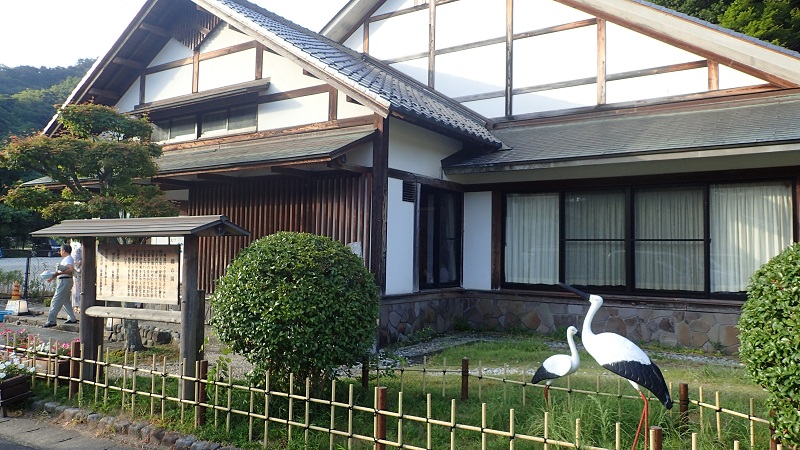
{"x": 149, "y": 436}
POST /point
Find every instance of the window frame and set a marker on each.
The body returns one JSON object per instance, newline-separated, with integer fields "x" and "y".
{"x": 436, "y": 238}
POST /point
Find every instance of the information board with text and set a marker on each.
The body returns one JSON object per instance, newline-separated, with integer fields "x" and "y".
{"x": 138, "y": 273}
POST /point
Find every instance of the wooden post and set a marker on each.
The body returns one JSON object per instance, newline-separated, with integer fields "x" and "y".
{"x": 656, "y": 438}
{"x": 380, "y": 426}
{"x": 683, "y": 404}
{"x": 74, "y": 368}
{"x": 201, "y": 393}
{"x": 464, "y": 379}
{"x": 773, "y": 443}
{"x": 365, "y": 373}
{"x": 91, "y": 328}
{"x": 190, "y": 313}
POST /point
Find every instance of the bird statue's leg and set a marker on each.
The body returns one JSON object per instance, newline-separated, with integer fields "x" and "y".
{"x": 547, "y": 397}
{"x": 642, "y": 419}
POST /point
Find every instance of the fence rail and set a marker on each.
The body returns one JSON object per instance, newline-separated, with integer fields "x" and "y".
{"x": 297, "y": 411}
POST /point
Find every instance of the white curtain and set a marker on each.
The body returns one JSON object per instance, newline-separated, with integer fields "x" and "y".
{"x": 595, "y": 230}
{"x": 750, "y": 223}
{"x": 668, "y": 227}
{"x": 531, "y": 253}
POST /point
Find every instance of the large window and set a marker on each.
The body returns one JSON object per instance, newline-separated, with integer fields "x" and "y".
{"x": 702, "y": 239}
{"x": 440, "y": 219}
{"x": 239, "y": 119}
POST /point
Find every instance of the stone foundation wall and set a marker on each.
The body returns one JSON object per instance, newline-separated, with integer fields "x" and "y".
{"x": 702, "y": 324}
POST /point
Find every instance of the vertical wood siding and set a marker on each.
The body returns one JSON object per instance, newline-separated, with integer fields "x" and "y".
{"x": 335, "y": 206}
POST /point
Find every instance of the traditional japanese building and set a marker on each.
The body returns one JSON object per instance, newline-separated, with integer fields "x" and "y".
{"x": 478, "y": 152}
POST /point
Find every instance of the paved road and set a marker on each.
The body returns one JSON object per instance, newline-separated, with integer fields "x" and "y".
{"x": 24, "y": 433}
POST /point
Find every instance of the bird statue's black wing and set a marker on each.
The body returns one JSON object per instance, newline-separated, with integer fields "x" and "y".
{"x": 647, "y": 376}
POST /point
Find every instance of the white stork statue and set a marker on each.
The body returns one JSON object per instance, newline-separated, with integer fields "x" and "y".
{"x": 558, "y": 366}
{"x": 621, "y": 356}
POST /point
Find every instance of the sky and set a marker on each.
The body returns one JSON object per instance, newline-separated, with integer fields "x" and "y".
{"x": 54, "y": 33}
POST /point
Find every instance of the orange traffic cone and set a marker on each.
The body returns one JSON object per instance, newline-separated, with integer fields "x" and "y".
{"x": 15, "y": 292}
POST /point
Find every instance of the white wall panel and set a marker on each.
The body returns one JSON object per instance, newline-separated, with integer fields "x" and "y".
{"x": 172, "y": 51}
{"x": 285, "y": 75}
{"x": 628, "y": 50}
{"x": 732, "y": 78}
{"x": 130, "y": 98}
{"x": 555, "y": 57}
{"x": 345, "y": 109}
{"x": 468, "y": 21}
{"x": 490, "y": 107}
{"x": 223, "y": 36}
{"x": 471, "y": 71}
{"x": 399, "y": 241}
{"x": 532, "y": 15}
{"x": 394, "y": 5}
{"x": 360, "y": 155}
{"x": 417, "y": 150}
{"x": 415, "y": 68}
{"x": 401, "y": 35}
{"x": 555, "y": 99}
{"x": 293, "y": 112}
{"x": 168, "y": 83}
{"x": 226, "y": 70}
{"x": 654, "y": 86}
{"x": 477, "y": 240}
{"x": 356, "y": 40}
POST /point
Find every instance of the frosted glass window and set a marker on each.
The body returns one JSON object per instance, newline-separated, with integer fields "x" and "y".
{"x": 243, "y": 118}
{"x": 215, "y": 122}
{"x": 554, "y": 57}
{"x": 594, "y": 228}
{"x": 531, "y": 244}
{"x": 183, "y": 128}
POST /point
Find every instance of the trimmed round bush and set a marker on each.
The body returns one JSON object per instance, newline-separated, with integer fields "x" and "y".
{"x": 769, "y": 332}
{"x": 297, "y": 303}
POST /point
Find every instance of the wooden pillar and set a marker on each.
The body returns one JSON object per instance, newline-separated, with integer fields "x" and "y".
{"x": 465, "y": 379}
{"x": 91, "y": 328}
{"x": 191, "y": 313}
{"x": 380, "y": 189}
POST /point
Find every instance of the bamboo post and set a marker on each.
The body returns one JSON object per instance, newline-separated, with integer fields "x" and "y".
{"x": 74, "y": 368}
{"x": 464, "y": 379}
{"x": 380, "y": 425}
{"x": 683, "y": 403}
{"x": 202, "y": 395}
{"x": 773, "y": 444}
{"x": 656, "y": 437}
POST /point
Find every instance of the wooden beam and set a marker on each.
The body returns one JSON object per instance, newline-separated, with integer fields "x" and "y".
{"x": 259, "y": 61}
{"x": 333, "y": 103}
{"x": 302, "y": 92}
{"x": 218, "y": 178}
{"x": 128, "y": 63}
{"x": 163, "y": 32}
{"x": 103, "y": 93}
{"x": 432, "y": 44}
{"x": 713, "y": 75}
{"x": 380, "y": 188}
{"x": 509, "y": 92}
{"x": 291, "y": 171}
{"x": 106, "y": 312}
{"x": 196, "y": 72}
{"x": 601, "y": 62}
{"x": 338, "y": 165}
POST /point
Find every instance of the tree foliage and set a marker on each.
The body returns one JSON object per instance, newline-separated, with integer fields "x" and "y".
{"x": 299, "y": 303}
{"x": 770, "y": 343}
{"x": 96, "y": 158}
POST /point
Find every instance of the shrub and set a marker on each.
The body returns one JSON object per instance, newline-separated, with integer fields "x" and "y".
{"x": 296, "y": 302}
{"x": 768, "y": 332}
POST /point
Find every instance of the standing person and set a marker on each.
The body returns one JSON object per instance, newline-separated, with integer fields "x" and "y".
{"x": 77, "y": 256}
{"x": 61, "y": 299}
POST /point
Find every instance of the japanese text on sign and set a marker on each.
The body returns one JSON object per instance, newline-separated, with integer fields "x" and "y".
{"x": 138, "y": 273}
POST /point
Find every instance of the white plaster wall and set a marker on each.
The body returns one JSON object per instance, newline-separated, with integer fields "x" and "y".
{"x": 345, "y": 109}
{"x": 477, "y": 240}
{"x": 532, "y": 15}
{"x": 227, "y": 70}
{"x": 555, "y": 99}
{"x": 293, "y": 112}
{"x": 400, "y": 218}
{"x": 356, "y": 40}
{"x": 168, "y": 83}
{"x": 471, "y": 71}
{"x": 172, "y": 51}
{"x": 360, "y": 155}
{"x": 555, "y": 57}
{"x": 223, "y": 36}
{"x": 385, "y": 40}
{"x": 130, "y": 98}
{"x": 415, "y": 68}
{"x": 467, "y": 21}
{"x": 417, "y": 150}
{"x": 394, "y": 5}
{"x": 661, "y": 85}
{"x": 628, "y": 50}
{"x": 285, "y": 75}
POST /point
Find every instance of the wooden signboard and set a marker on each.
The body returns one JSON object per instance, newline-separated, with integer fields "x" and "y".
{"x": 138, "y": 273}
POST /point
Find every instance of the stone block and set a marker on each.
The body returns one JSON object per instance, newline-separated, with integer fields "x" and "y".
{"x": 699, "y": 326}
{"x": 170, "y": 438}
{"x": 729, "y": 336}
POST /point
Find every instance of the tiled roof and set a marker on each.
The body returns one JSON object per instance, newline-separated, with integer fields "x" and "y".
{"x": 730, "y": 124}
{"x": 281, "y": 149}
{"x": 403, "y": 94}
